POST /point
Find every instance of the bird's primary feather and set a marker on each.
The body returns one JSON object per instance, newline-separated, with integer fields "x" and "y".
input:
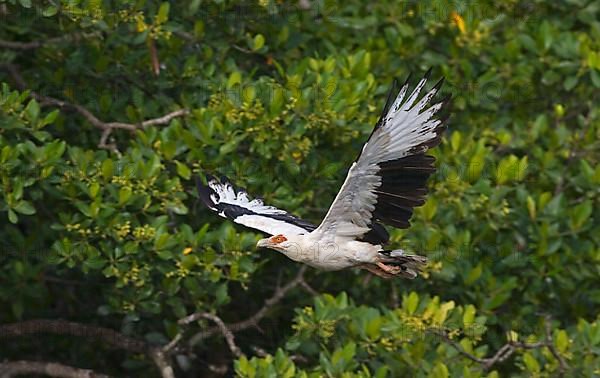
{"x": 389, "y": 177}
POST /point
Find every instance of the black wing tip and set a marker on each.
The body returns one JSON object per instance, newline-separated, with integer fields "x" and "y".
{"x": 205, "y": 192}
{"x": 447, "y": 101}
{"x": 444, "y": 119}
{"x": 209, "y": 178}
{"x": 221, "y": 180}
{"x": 439, "y": 84}
{"x": 408, "y": 78}
{"x": 428, "y": 73}
{"x": 224, "y": 180}
{"x": 391, "y": 97}
{"x": 395, "y": 89}
{"x": 426, "y": 77}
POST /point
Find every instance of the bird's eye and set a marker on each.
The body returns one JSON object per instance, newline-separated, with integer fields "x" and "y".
{"x": 279, "y": 239}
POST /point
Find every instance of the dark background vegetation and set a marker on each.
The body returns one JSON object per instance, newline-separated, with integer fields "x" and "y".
{"x": 108, "y": 261}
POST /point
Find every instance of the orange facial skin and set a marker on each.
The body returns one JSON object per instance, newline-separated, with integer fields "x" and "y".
{"x": 278, "y": 239}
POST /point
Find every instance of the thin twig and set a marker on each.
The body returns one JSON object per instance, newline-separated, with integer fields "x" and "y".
{"x": 244, "y": 50}
{"x": 224, "y": 329}
{"x": 155, "y": 63}
{"x": 185, "y": 35}
{"x": 563, "y": 366}
{"x": 173, "y": 343}
{"x": 308, "y": 288}
{"x": 107, "y": 146}
{"x": 260, "y": 352}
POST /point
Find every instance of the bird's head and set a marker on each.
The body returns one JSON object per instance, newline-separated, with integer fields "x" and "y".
{"x": 278, "y": 242}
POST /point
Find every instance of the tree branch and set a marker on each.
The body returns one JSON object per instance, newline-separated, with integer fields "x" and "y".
{"x": 63, "y": 327}
{"x": 227, "y": 334}
{"x": 52, "y": 369}
{"x": 105, "y": 335}
{"x": 74, "y": 37}
{"x": 161, "y": 360}
{"x": 509, "y": 348}
{"x": 252, "y": 321}
{"x": 106, "y": 127}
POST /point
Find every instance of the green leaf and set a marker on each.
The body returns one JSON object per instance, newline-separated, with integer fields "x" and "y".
{"x": 313, "y": 64}
{"x": 107, "y": 169}
{"x": 562, "y": 341}
{"x": 531, "y": 363}
{"x": 570, "y": 83}
{"x": 234, "y": 78}
{"x": 93, "y": 190}
{"x": 32, "y": 110}
{"x": 50, "y": 117}
{"x": 24, "y": 207}
{"x": 595, "y": 75}
{"x": 412, "y": 301}
{"x": 468, "y": 316}
{"x": 510, "y": 169}
{"x": 455, "y": 141}
{"x": 531, "y": 207}
{"x": 124, "y": 195}
{"x": 183, "y": 170}
{"x": 580, "y": 214}
{"x": 440, "y": 370}
{"x": 373, "y": 328}
{"x": 179, "y": 208}
{"x": 231, "y": 145}
{"x": 258, "y": 42}
{"x": 12, "y": 216}
{"x": 50, "y": 11}
{"x": 441, "y": 315}
{"x": 94, "y": 263}
{"x": 429, "y": 209}
{"x": 163, "y": 13}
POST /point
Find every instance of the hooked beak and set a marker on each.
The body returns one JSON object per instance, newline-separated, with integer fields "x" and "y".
{"x": 263, "y": 243}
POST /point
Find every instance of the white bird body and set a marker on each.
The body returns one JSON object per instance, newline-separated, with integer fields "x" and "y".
{"x": 383, "y": 185}
{"x": 328, "y": 254}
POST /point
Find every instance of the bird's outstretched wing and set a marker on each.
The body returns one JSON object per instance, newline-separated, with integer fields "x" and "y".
{"x": 234, "y": 203}
{"x": 389, "y": 177}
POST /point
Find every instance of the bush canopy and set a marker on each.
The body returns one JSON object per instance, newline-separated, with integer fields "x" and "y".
{"x": 109, "y": 261}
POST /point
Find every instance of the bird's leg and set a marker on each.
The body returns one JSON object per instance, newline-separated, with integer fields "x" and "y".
{"x": 393, "y": 270}
{"x": 376, "y": 271}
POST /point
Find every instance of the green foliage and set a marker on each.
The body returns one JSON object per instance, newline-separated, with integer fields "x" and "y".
{"x": 281, "y": 99}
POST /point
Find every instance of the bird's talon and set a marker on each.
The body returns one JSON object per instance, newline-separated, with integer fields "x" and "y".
{"x": 389, "y": 269}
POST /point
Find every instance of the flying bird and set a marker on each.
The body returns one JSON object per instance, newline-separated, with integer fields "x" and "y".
{"x": 383, "y": 185}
